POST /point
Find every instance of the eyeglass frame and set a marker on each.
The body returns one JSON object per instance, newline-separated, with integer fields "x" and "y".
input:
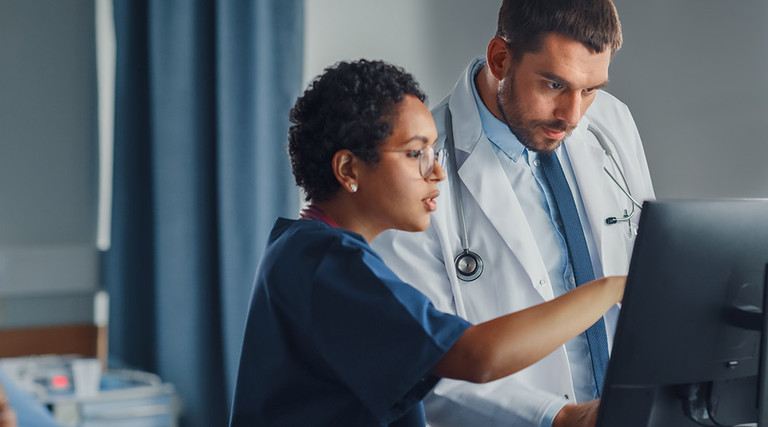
{"x": 438, "y": 156}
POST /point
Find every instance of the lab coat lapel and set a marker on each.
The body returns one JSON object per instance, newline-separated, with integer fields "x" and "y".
{"x": 488, "y": 184}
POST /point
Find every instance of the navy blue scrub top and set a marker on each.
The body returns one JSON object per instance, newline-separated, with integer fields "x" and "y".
{"x": 333, "y": 337}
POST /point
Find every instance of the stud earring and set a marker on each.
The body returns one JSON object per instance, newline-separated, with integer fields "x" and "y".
{"x": 353, "y": 187}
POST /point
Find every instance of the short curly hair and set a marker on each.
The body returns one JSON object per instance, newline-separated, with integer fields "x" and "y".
{"x": 350, "y": 106}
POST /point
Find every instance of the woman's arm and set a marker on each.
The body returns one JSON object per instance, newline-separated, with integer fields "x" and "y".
{"x": 507, "y": 344}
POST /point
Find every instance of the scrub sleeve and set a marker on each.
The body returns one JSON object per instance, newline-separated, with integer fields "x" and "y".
{"x": 380, "y": 336}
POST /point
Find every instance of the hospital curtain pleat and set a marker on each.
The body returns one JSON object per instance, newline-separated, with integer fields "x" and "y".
{"x": 203, "y": 90}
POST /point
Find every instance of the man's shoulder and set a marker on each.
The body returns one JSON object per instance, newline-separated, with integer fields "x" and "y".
{"x": 606, "y": 108}
{"x": 605, "y": 99}
{"x": 440, "y": 113}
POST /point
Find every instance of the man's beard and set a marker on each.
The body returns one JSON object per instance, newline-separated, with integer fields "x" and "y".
{"x": 514, "y": 115}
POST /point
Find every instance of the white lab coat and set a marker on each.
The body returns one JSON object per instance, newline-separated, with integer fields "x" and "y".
{"x": 514, "y": 276}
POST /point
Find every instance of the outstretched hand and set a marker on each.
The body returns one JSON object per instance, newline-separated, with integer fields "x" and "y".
{"x": 616, "y": 285}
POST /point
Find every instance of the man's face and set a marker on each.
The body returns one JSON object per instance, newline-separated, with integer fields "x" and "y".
{"x": 544, "y": 95}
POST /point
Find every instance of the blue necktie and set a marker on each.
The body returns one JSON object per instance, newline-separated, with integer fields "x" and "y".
{"x": 580, "y": 261}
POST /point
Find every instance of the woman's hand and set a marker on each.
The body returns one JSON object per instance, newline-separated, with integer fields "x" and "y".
{"x": 578, "y": 415}
{"x": 614, "y": 284}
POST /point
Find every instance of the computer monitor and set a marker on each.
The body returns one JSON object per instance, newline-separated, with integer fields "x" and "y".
{"x": 687, "y": 350}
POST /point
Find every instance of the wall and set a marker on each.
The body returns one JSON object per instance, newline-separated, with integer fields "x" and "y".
{"x": 433, "y": 39}
{"x": 48, "y": 154}
{"x": 692, "y": 71}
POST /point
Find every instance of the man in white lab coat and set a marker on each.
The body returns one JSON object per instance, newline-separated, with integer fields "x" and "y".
{"x": 536, "y": 93}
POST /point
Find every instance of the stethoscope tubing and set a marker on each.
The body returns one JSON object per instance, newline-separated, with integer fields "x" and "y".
{"x": 604, "y": 144}
{"x": 455, "y": 190}
{"x": 468, "y": 265}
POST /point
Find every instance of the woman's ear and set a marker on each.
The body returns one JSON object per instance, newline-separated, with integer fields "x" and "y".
{"x": 499, "y": 57}
{"x": 345, "y": 169}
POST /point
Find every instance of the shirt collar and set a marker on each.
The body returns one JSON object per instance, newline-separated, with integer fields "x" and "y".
{"x": 495, "y": 130}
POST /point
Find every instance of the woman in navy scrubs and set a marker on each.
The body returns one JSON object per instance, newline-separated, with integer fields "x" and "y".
{"x": 333, "y": 337}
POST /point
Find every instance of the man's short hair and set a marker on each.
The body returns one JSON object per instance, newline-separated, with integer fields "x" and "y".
{"x": 523, "y": 24}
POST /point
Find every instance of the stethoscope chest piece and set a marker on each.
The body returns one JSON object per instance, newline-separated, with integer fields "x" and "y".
{"x": 469, "y": 265}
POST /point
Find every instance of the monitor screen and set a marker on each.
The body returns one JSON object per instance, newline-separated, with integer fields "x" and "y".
{"x": 687, "y": 350}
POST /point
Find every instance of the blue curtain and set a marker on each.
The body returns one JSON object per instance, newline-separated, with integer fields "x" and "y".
{"x": 203, "y": 91}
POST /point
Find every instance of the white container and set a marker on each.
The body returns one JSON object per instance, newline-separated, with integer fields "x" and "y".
{"x": 86, "y": 374}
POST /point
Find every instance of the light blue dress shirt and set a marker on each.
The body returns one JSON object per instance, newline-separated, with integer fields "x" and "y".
{"x": 530, "y": 186}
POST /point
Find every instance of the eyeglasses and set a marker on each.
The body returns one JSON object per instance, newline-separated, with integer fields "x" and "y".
{"x": 427, "y": 158}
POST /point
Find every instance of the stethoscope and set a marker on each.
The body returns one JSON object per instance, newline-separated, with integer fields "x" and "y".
{"x": 468, "y": 264}
{"x": 625, "y": 188}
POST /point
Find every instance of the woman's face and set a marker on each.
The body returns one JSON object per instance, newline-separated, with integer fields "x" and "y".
{"x": 394, "y": 194}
